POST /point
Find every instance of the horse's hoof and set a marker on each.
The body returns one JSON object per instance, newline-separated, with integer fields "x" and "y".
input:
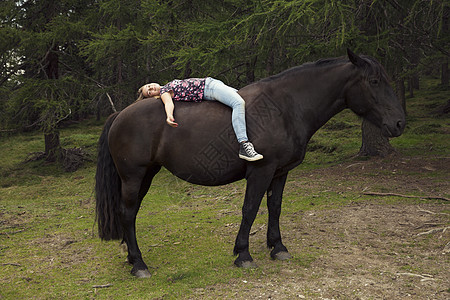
{"x": 246, "y": 264}
{"x": 282, "y": 255}
{"x": 142, "y": 274}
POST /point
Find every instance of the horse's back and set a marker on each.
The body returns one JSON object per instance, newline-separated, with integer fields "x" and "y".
{"x": 202, "y": 149}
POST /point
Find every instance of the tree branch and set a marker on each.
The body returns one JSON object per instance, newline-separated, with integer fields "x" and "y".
{"x": 406, "y": 196}
{"x": 111, "y": 102}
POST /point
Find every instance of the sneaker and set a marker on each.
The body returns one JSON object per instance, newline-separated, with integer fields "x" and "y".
{"x": 247, "y": 152}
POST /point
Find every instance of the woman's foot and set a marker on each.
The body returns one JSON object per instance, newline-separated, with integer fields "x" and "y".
{"x": 247, "y": 152}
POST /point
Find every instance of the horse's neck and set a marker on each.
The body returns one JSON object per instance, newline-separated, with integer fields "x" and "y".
{"x": 318, "y": 94}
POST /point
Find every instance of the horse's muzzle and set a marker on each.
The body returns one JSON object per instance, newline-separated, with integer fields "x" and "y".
{"x": 395, "y": 129}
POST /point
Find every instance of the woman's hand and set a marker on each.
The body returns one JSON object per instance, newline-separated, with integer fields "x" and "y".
{"x": 169, "y": 107}
{"x": 171, "y": 122}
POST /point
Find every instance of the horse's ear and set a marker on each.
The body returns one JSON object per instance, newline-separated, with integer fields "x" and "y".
{"x": 355, "y": 59}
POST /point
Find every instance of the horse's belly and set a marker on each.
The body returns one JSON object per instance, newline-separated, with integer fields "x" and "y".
{"x": 205, "y": 170}
{"x": 202, "y": 150}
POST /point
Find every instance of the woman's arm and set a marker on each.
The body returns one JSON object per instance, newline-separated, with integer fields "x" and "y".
{"x": 169, "y": 107}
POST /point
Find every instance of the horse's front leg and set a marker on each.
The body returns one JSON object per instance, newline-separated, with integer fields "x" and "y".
{"x": 129, "y": 209}
{"x": 257, "y": 184}
{"x": 274, "y": 199}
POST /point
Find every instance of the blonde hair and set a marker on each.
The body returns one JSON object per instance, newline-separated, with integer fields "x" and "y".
{"x": 141, "y": 94}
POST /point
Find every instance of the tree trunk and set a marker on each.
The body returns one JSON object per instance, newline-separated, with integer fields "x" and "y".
{"x": 373, "y": 142}
{"x": 187, "y": 70}
{"x": 415, "y": 60}
{"x": 270, "y": 63}
{"x": 444, "y": 73}
{"x": 445, "y": 32}
{"x": 52, "y": 143}
{"x": 415, "y": 82}
{"x": 410, "y": 88}
{"x": 400, "y": 91}
{"x": 52, "y": 146}
{"x": 250, "y": 73}
{"x": 251, "y": 63}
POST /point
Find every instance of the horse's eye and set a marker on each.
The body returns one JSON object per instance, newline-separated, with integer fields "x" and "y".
{"x": 373, "y": 81}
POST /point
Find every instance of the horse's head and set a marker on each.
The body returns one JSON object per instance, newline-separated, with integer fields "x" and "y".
{"x": 371, "y": 96}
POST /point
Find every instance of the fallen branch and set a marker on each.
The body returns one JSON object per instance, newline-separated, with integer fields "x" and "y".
{"x": 424, "y": 277}
{"x": 12, "y": 232}
{"x": 349, "y": 166}
{"x": 102, "y": 286}
{"x": 429, "y": 225}
{"x": 11, "y": 264}
{"x": 406, "y": 196}
{"x": 443, "y": 229}
{"x": 257, "y": 229}
{"x": 431, "y": 212}
{"x": 446, "y": 248}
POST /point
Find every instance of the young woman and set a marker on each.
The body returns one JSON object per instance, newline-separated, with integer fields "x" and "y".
{"x": 198, "y": 89}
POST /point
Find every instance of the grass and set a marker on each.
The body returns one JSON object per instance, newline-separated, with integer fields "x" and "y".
{"x": 48, "y": 242}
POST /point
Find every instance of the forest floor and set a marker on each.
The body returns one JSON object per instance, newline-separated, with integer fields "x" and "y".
{"x": 386, "y": 247}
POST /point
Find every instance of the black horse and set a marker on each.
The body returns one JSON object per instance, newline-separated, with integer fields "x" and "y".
{"x": 283, "y": 112}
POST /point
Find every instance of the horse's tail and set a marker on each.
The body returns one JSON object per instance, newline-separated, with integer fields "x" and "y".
{"x": 107, "y": 189}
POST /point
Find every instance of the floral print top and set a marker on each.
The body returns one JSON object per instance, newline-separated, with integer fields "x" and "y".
{"x": 191, "y": 89}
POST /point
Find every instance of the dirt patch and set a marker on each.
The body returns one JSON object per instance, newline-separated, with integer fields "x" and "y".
{"x": 404, "y": 175}
{"x": 378, "y": 251}
{"x": 369, "y": 249}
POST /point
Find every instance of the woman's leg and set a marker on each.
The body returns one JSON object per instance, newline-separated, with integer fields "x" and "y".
{"x": 217, "y": 90}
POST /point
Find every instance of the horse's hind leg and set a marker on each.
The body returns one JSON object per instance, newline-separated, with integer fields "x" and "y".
{"x": 133, "y": 191}
{"x": 274, "y": 199}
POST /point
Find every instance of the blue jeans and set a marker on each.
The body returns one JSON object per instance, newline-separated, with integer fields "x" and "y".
{"x": 217, "y": 90}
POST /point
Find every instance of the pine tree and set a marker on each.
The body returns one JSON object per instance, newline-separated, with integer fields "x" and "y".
{"x": 44, "y": 86}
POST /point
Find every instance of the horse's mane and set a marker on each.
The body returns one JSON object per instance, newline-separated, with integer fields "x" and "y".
{"x": 331, "y": 61}
{"x": 375, "y": 66}
{"x": 307, "y": 66}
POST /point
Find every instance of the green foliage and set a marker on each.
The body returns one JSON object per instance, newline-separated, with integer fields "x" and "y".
{"x": 94, "y": 50}
{"x": 44, "y": 103}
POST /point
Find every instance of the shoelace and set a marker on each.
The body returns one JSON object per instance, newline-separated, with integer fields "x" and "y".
{"x": 248, "y": 147}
